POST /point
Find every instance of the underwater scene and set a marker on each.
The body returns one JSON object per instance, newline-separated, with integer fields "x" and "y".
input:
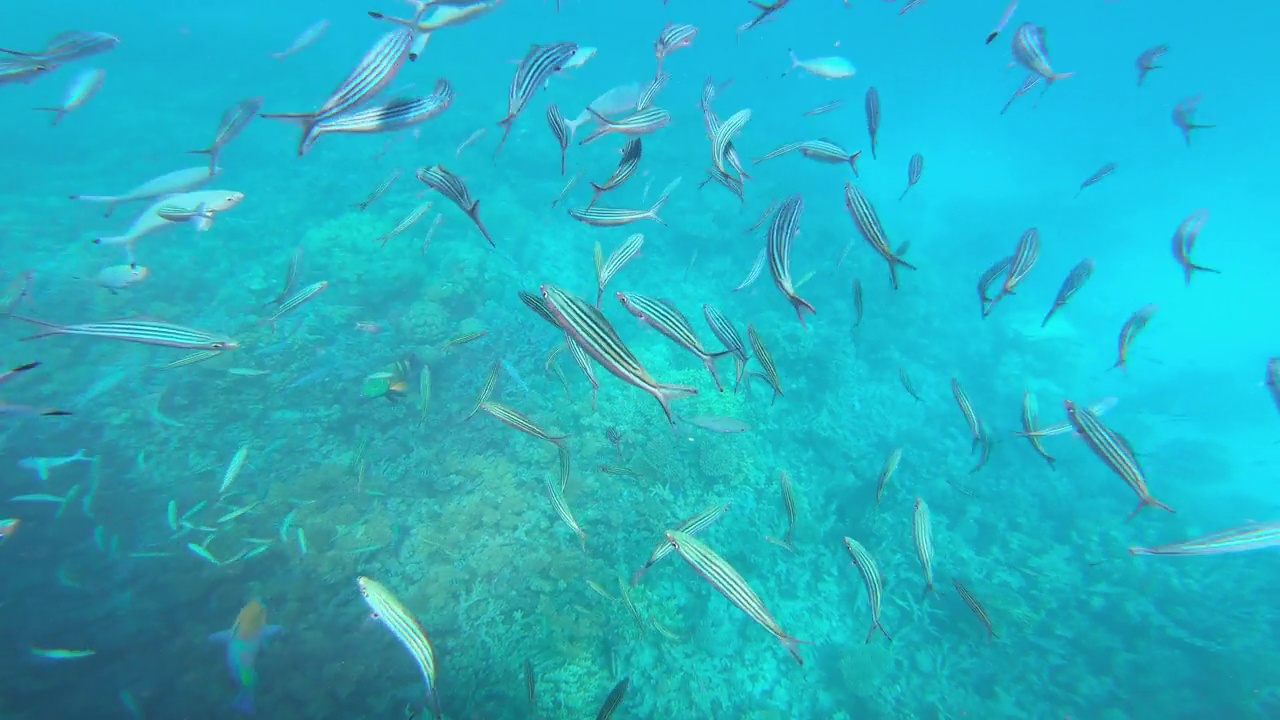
{"x": 512, "y": 359}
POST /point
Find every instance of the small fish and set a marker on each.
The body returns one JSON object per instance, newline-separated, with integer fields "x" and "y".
{"x": 244, "y": 640}
{"x": 640, "y": 122}
{"x": 672, "y": 324}
{"x": 1030, "y": 420}
{"x": 871, "y": 578}
{"x": 672, "y": 38}
{"x": 513, "y": 418}
{"x": 561, "y": 506}
{"x": 537, "y": 67}
{"x": 1146, "y": 61}
{"x": 890, "y": 467}
{"x": 1103, "y": 172}
{"x": 304, "y": 40}
{"x": 293, "y": 302}
{"x": 1184, "y": 118}
{"x": 766, "y": 11}
{"x": 82, "y": 89}
{"x": 782, "y": 231}
{"x": 42, "y": 465}
{"x": 463, "y": 339}
{"x": 922, "y": 536}
{"x": 1030, "y": 50}
{"x": 568, "y": 186}
{"x": 1184, "y": 242}
{"x": 830, "y": 68}
{"x": 907, "y": 384}
{"x": 530, "y": 684}
{"x": 824, "y": 109}
{"x": 555, "y": 120}
{"x": 8, "y": 528}
{"x": 868, "y": 224}
{"x": 176, "y": 182}
{"x": 614, "y": 699}
{"x": 61, "y": 654}
{"x": 627, "y": 166}
{"x": 204, "y": 554}
{"x": 974, "y": 606}
{"x": 914, "y": 168}
{"x": 765, "y": 359}
{"x": 1075, "y": 280}
{"x": 406, "y": 224}
{"x": 597, "y": 216}
{"x": 606, "y": 269}
{"x": 970, "y": 417}
{"x": 387, "y": 609}
{"x": 872, "y": 106}
{"x": 291, "y": 276}
{"x": 234, "y": 120}
{"x": 438, "y": 178}
{"x": 718, "y": 424}
{"x": 1115, "y": 452}
{"x": 1132, "y": 327}
{"x": 381, "y": 190}
{"x": 1250, "y": 537}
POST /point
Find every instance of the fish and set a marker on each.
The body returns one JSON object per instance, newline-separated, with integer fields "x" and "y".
{"x": 672, "y": 38}
{"x": 1115, "y": 452}
{"x": 718, "y": 424}
{"x": 1147, "y": 60}
{"x": 22, "y": 72}
{"x": 770, "y": 374}
{"x": 824, "y": 108}
{"x": 380, "y": 190}
{"x": 664, "y": 317}
{"x": 618, "y": 259}
{"x": 914, "y": 167}
{"x": 1030, "y": 419}
{"x": 470, "y": 140}
{"x": 556, "y": 492}
{"x": 568, "y": 186}
{"x": 530, "y": 684}
{"x": 1071, "y": 285}
{"x": 167, "y": 211}
{"x": 922, "y": 536}
{"x": 1247, "y": 538}
{"x": 42, "y": 465}
{"x": 766, "y": 13}
{"x": 975, "y": 606}
{"x": 868, "y": 224}
{"x": 244, "y": 640}
{"x": 61, "y": 654}
{"x": 631, "y": 153}
{"x": 392, "y": 382}
{"x": 387, "y": 609}
{"x": 970, "y": 417}
{"x": 1099, "y": 409}
{"x": 595, "y": 335}
{"x": 1272, "y": 380}
{"x": 1102, "y": 173}
{"x": 870, "y": 572}
{"x": 486, "y": 390}
{"x": 120, "y": 277}
{"x": 829, "y": 68}
{"x": 788, "y": 507}
{"x": 1004, "y": 20}
{"x": 304, "y": 40}
{"x": 82, "y": 89}
{"x": 872, "y": 106}
{"x": 8, "y": 528}
{"x": 1129, "y": 332}
{"x": 728, "y": 336}
{"x": 822, "y": 150}
{"x": 1031, "y": 51}
{"x": 514, "y": 418}
{"x": 1027, "y": 86}
{"x": 614, "y": 699}
{"x": 234, "y": 468}
{"x": 296, "y": 300}
{"x": 392, "y": 116}
{"x": 723, "y": 136}
{"x": 1184, "y": 117}
{"x": 890, "y": 467}
{"x": 413, "y": 218}
{"x": 234, "y": 120}
{"x": 440, "y": 179}
{"x": 537, "y": 67}
{"x": 69, "y": 46}
{"x": 1184, "y": 242}
{"x": 907, "y": 385}
{"x": 375, "y": 71}
{"x": 721, "y": 575}
{"x": 782, "y": 231}
{"x": 640, "y": 122}
{"x": 597, "y": 216}
{"x": 650, "y": 92}
{"x": 1024, "y": 258}
{"x": 463, "y": 339}
{"x": 754, "y": 273}
{"x": 432, "y": 17}
{"x": 172, "y": 183}
{"x": 619, "y": 100}
{"x": 555, "y": 120}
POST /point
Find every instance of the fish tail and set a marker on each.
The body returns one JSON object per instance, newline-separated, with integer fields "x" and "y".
{"x": 904, "y": 192}
{"x": 1191, "y": 268}
{"x": 793, "y": 646}
{"x": 635, "y": 577}
{"x": 243, "y": 702}
{"x": 853, "y": 163}
{"x": 666, "y": 393}
{"x": 1054, "y": 77}
{"x": 801, "y": 305}
{"x": 505, "y": 123}
{"x": 1146, "y": 501}
{"x": 875, "y": 625}
{"x": 474, "y": 214}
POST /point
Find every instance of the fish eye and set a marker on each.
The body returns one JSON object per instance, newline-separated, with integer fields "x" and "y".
{"x": 218, "y": 346}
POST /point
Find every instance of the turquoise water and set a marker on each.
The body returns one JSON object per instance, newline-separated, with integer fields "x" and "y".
{"x": 452, "y": 515}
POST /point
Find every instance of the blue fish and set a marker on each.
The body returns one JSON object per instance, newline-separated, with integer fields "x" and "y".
{"x": 244, "y": 640}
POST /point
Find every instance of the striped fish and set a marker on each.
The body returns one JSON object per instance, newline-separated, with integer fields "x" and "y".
{"x": 614, "y": 699}
{"x": 392, "y": 116}
{"x": 233, "y": 122}
{"x": 1075, "y": 280}
{"x": 1030, "y": 50}
{"x": 538, "y": 306}
{"x": 1254, "y": 536}
{"x": 754, "y": 273}
{"x": 296, "y": 300}
{"x": 824, "y": 109}
{"x": 672, "y": 38}
{"x": 404, "y": 225}
{"x": 886, "y": 472}
{"x": 988, "y": 277}
{"x": 1184, "y": 242}
{"x": 144, "y": 332}
{"x": 1103, "y": 173}
{"x": 552, "y": 365}
{"x": 907, "y": 385}
{"x": 728, "y": 336}
{"x": 1030, "y": 419}
{"x": 970, "y": 417}
{"x": 728, "y": 182}
{"x": 822, "y": 150}
{"x": 729, "y": 583}
{"x": 723, "y": 136}
{"x": 537, "y": 67}
{"x": 631, "y": 153}
{"x": 23, "y": 73}
{"x": 640, "y": 122}
{"x": 83, "y": 87}
{"x": 583, "y": 362}
{"x": 1099, "y": 409}
{"x": 664, "y": 317}
{"x": 975, "y": 606}
{"x": 770, "y": 374}
{"x": 624, "y": 593}
{"x": 531, "y": 684}
{"x": 388, "y": 610}
{"x": 914, "y": 168}
{"x": 618, "y": 259}
{"x": 451, "y": 186}
{"x": 463, "y": 339}
{"x": 615, "y": 217}
{"x": 789, "y": 507}
{"x": 871, "y": 578}
{"x": 562, "y": 509}
{"x": 692, "y": 526}
{"x": 564, "y": 192}
{"x": 782, "y": 231}
{"x": 922, "y": 535}
{"x": 868, "y": 224}
{"x": 1134, "y": 325}
{"x": 650, "y": 92}
{"x": 560, "y": 129}
{"x": 68, "y": 46}
{"x": 1024, "y": 258}
{"x": 513, "y": 418}
{"x": 730, "y": 153}
{"x": 872, "y": 107}
{"x": 597, "y": 338}
{"x": 565, "y": 466}
{"x": 381, "y": 190}
{"x": 1272, "y": 380}
{"x": 192, "y": 358}
{"x": 376, "y": 70}
{"x": 1115, "y": 452}
{"x": 486, "y": 390}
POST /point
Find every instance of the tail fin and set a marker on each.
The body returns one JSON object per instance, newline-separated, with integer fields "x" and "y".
{"x": 1146, "y": 501}
{"x": 59, "y": 113}
{"x": 243, "y": 702}
{"x": 1190, "y": 269}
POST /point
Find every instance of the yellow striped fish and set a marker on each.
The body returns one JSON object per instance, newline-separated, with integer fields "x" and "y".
{"x": 729, "y": 583}
{"x": 513, "y": 418}
{"x": 970, "y": 417}
{"x": 692, "y": 526}
{"x": 975, "y": 606}
{"x": 1030, "y": 418}
{"x": 770, "y": 374}
{"x": 890, "y": 467}
{"x": 606, "y": 269}
{"x": 1114, "y": 450}
{"x": 388, "y": 611}
{"x": 612, "y": 702}
{"x": 789, "y": 506}
{"x": 562, "y": 509}
{"x": 922, "y": 534}
{"x": 871, "y": 577}
{"x": 486, "y": 391}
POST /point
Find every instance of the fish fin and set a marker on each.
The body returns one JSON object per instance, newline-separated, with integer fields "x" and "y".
{"x": 666, "y": 393}
{"x": 221, "y": 636}
{"x": 853, "y": 163}
{"x": 1152, "y": 502}
{"x": 243, "y": 702}
{"x": 793, "y": 646}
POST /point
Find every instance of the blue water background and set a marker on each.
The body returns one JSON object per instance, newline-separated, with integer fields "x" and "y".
{"x": 460, "y": 523}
